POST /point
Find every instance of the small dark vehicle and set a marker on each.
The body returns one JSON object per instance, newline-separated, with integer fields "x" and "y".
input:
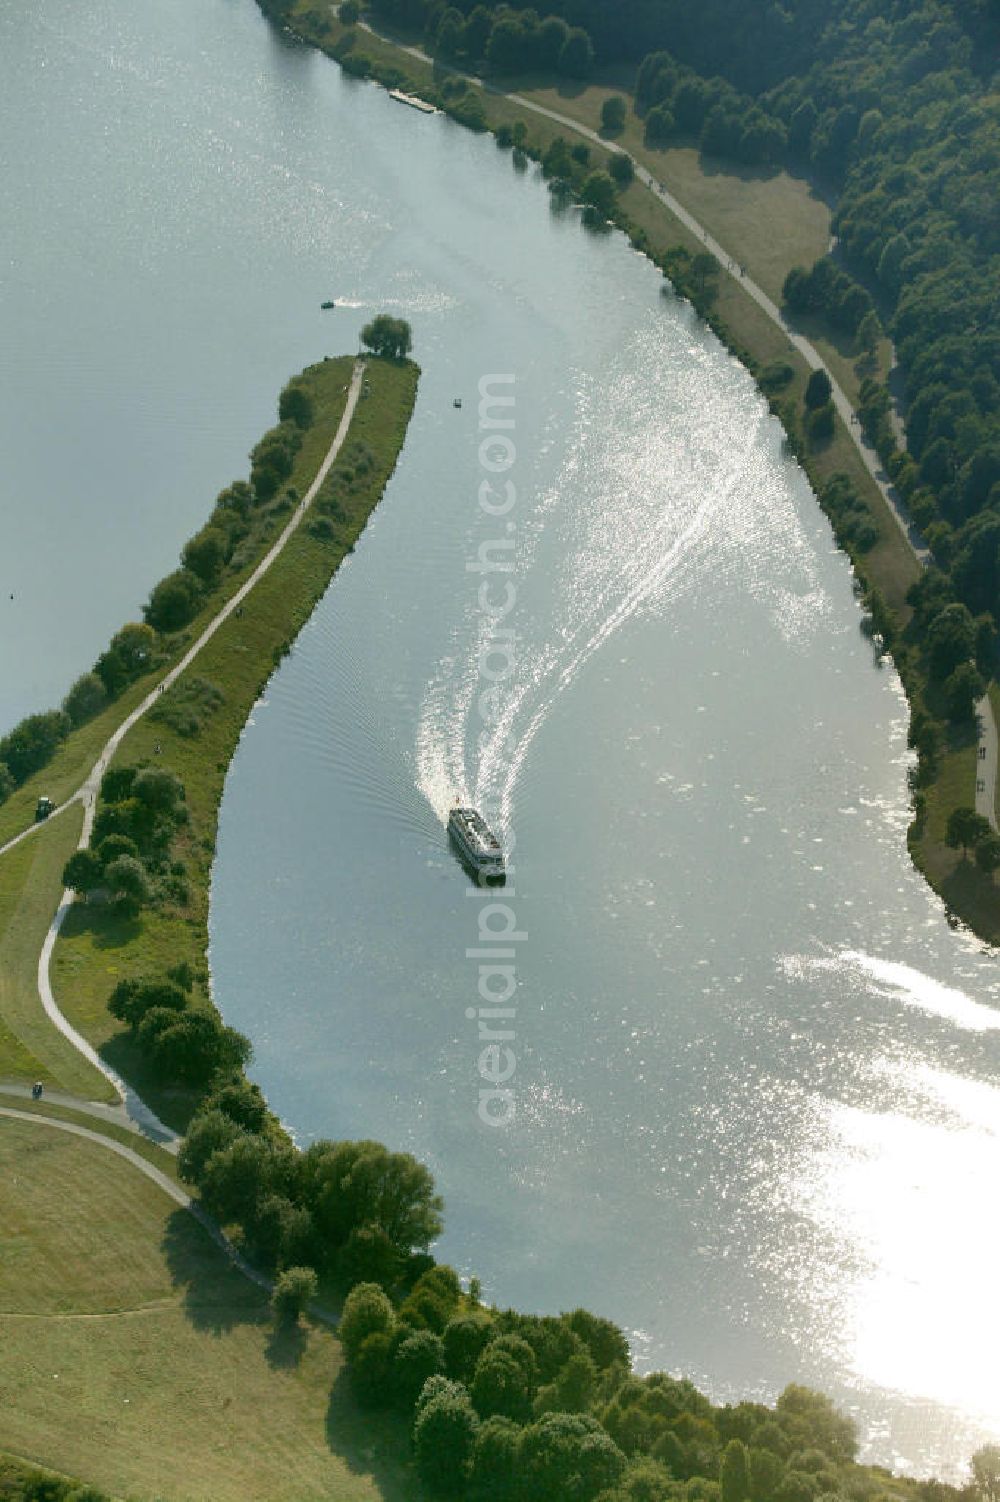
{"x": 43, "y": 808}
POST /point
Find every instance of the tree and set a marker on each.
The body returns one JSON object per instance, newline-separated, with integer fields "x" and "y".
{"x": 128, "y": 883}
{"x": 605, "y": 1342}
{"x": 349, "y": 13}
{"x": 613, "y": 113}
{"x": 621, "y": 169}
{"x": 115, "y": 845}
{"x": 86, "y": 698}
{"x": 388, "y": 338}
{"x": 951, "y": 639}
{"x": 240, "y": 1100}
{"x": 820, "y": 423}
{"x": 576, "y": 59}
{"x": 82, "y": 872}
{"x": 294, "y": 1291}
{"x": 501, "y": 1385}
{"x": 449, "y": 37}
{"x": 349, "y": 1184}
{"x": 599, "y": 192}
{"x": 734, "y": 1473}
{"x": 965, "y": 829}
{"x": 573, "y": 1388}
{"x": 7, "y": 783}
{"x": 132, "y": 999}
{"x": 295, "y": 404}
{"x": 465, "y": 1338}
{"x": 158, "y": 789}
{"x": 986, "y": 1472}
{"x": 32, "y": 743}
{"x": 869, "y": 333}
{"x": 210, "y": 1132}
{"x": 567, "y": 1454}
{"x": 988, "y": 853}
{"x": 818, "y": 389}
{"x": 477, "y": 32}
{"x": 206, "y": 553}
{"x": 193, "y": 1045}
{"x": 417, "y": 1357}
{"x": 237, "y": 1178}
{"x": 174, "y": 601}
{"x": 367, "y": 1311}
{"x": 443, "y": 1438}
{"x": 963, "y": 688}
{"x": 660, "y": 126}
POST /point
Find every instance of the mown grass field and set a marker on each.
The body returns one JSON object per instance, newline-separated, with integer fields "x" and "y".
{"x": 98, "y": 946}
{"x": 30, "y": 889}
{"x": 963, "y": 887}
{"x": 136, "y": 1359}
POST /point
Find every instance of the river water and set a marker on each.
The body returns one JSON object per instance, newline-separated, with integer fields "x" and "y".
{"x": 753, "y": 1073}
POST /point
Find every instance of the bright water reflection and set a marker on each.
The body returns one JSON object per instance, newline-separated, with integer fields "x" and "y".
{"x": 757, "y": 1073}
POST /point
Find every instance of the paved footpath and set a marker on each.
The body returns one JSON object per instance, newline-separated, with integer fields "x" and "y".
{"x": 986, "y": 761}
{"x": 134, "y": 1107}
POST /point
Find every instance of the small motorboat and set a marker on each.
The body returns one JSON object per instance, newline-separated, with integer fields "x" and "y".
{"x": 457, "y": 402}
{"x": 326, "y": 306}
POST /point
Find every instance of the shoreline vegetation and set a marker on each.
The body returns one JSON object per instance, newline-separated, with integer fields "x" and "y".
{"x": 900, "y": 599}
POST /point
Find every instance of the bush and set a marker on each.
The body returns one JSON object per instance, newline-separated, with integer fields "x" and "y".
{"x": 818, "y": 389}
{"x": 389, "y": 338}
{"x": 82, "y": 872}
{"x": 127, "y": 882}
{"x": 367, "y": 1311}
{"x": 210, "y": 1132}
{"x": 174, "y": 601}
{"x": 622, "y": 169}
{"x": 131, "y": 1000}
{"x": 613, "y": 113}
{"x": 86, "y": 698}
{"x": 294, "y": 1290}
{"x": 443, "y": 1438}
{"x": 820, "y": 423}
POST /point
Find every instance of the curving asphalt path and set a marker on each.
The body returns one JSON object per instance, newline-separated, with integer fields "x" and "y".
{"x": 134, "y": 1107}
{"x": 986, "y": 761}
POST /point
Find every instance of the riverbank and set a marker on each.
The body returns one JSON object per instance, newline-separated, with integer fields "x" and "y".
{"x": 739, "y": 305}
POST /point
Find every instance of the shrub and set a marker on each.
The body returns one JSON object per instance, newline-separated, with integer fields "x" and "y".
{"x": 443, "y": 1437}
{"x": 294, "y": 1291}
{"x": 613, "y": 112}
{"x": 818, "y": 389}
{"x": 174, "y": 601}
{"x": 82, "y": 872}
{"x": 367, "y": 1311}
{"x": 86, "y": 698}
{"x": 127, "y": 882}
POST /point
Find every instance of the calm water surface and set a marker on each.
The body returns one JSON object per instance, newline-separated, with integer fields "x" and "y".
{"x": 757, "y": 1116}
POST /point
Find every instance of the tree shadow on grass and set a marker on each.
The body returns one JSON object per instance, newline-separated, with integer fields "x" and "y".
{"x": 286, "y": 1344}
{"x": 969, "y": 891}
{"x": 108, "y": 927}
{"x": 217, "y": 1296}
{"x": 371, "y": 1442}
{"x": 173, "y": 1104}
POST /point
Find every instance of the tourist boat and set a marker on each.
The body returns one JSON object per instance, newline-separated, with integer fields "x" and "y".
{"x": 477, "y": 845}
